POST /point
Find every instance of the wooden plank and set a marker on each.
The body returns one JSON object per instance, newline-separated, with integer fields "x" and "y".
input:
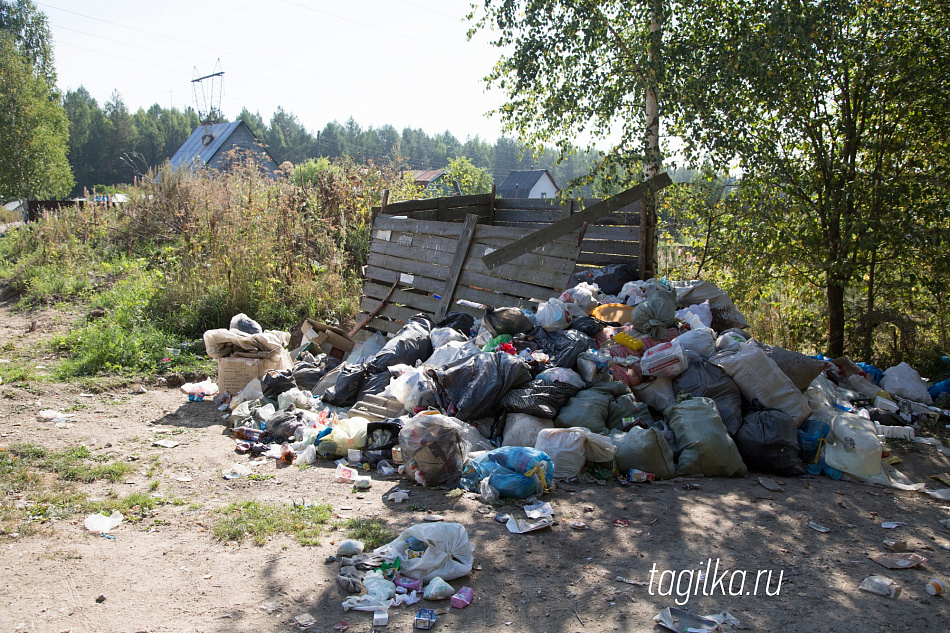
{"x": 553, "y": 249}
{"x": 451, "y": 202}
{"x": 527, "y": 244}
{"x": 390, "y": 223}
{"x": 597, "y": 259}
{"x": 400, "y": 313}
{"x": 622, "y": 233}
{"x": 381, "y": 324}
{"x": 386, "y": 275}
{"x": 461, "y": 253}
{"x": 527, "y": 204}
{"x": 514, "y": 233}
{"x": 414, "y": 268}
{"x": 531, "y": 268}
{"x": 609, "y": 247}
{"x": 494, "y": 299}
{"x": 421, "y": 302}
{"x": 528, "y": 215}
{"x": 508, "y": 286}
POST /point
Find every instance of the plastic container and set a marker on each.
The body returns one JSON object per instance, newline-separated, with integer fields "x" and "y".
{"x": 463, "y": 597}
{"x": 630, "y": 342}
{"x": 934, "y": 588}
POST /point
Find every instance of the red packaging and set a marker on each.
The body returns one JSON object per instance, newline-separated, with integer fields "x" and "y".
{"x": 463, "y": 598}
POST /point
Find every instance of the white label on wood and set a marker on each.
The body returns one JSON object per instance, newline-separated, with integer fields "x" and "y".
{"x": 405, "y": 240}
{"x": 384, "y": 235}
{"x": 405, "y": 278}
{"x": 488, "y": 249}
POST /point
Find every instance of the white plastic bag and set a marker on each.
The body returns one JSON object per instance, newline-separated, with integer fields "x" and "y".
{"x": 702, "y": 310}
{"x": 562, "y": 374}
{"x": 451, "y": 352}
{"x": 377, "y": 586}
{"x": 553, "y": 315}
{"x": 101, "y": 523}
{"x": 443, "y": 335}
{"x": 856, "y": 449}
{"x": 665, "y": 359}
{"x": 297, "y": 397}
{"x": 584, "y": 295}
{"x": 902, "y": 380}
{"x": 570, "y": 448}
{"x": 413, "y": 388}
{"x": 448, "y": 555}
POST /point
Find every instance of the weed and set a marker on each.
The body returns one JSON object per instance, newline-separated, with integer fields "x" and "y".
{"x": 259, "y": 477}
{"x": 372, "y": 531}
{"x": 11, "y": 373}
{"x": 154, "y": 466}
{"x": 260, "y": 521}
{"x": 153, "y": 486}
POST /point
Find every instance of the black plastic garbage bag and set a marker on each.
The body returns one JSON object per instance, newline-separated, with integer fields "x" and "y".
{"x": 500, "y": 321}
{"x": 563, "y": 346}
{"x": 458, "y": 321}
{"x": 284, "y": 424}
{"x": 539, "y": 398}
{"x": 412, "y": 343}
{"x": 610, "y": 279}
{"x": 347, "y": 388}
{"x": 704, "y": 380}
{"x": 375, "y": 383}
{"x": 307, "y": 375}
{"x": 472, "y": 387}
{"x": 276, "y": 382}
{"x": 768, "y": 442}
{"x": 591, "y": 326}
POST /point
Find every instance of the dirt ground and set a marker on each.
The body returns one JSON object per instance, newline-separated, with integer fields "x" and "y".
{"x": 167, "y": 572}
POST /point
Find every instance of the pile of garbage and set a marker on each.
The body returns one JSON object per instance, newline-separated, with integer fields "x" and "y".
{"x": 640, "y": 380}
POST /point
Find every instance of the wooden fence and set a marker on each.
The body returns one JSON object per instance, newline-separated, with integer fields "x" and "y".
{"x": 614, "y": 239}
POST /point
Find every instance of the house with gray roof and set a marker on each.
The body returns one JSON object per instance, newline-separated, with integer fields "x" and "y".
{"x": 219, "y": 145}
{"x": 530, "y": 183}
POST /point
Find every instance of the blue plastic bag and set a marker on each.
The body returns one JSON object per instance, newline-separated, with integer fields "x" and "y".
{"x": 516, "y": 471}
{"x": 875, "y": 375}
{"x": 810, "y": 435}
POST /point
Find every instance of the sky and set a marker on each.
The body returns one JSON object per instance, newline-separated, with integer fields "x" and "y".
{"x": 405, "y": 63}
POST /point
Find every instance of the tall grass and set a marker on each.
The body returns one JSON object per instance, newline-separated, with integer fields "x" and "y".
{"x": 189, "y": 250}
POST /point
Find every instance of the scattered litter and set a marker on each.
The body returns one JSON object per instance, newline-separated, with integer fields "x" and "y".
{"x": 621, "y": 522}
{"x": 895, "y": 545}
{"x": 935, "y": 587}
{"x": 183, "y": 480}
{"x": 101, "y": 598}
{"x": 304, "y": 620}
{"x": 899, "y": 561}
{"x": 458, "y": 492}
{"x": 688, "y": 486}
{"x": 881, "y": 585}
{"x": 890, "y": 525}
{"x": 521, "y": 526}
{"x": 502, "y": 517}
{"x": 681, "y": 621}
{"x": 137, "y": 388}
{"x": 578, "y": 525}
{"x": 770, "y": 484}
{"x": 627, "y": 581}
{"x": 943, "y": 495}
{"x": 539, "y": 510}
{"x": 463, "y": 597}
{"x": 398, "y": 496}
{"x": 50, "y": 414}
{"x": 425, "y": 618}
{"x": 818, "y": 528}
{"x": 101, "y": 523}
{"x": 165, "y": 443}
{"x": 433, "y": 518}
{"x": 943, "y": 478}
{"x": 236, "y": 471}
{"x": 341, "y": 626}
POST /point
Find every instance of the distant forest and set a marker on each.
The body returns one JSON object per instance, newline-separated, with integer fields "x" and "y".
{"x": 108, "y": 145}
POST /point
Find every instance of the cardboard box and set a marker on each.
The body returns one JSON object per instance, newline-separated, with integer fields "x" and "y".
{"x": 330, "y": 340}
{"x": 234, "y": 373}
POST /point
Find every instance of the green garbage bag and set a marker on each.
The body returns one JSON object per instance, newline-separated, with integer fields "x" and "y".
{"x": 706, "y": 447}
{"x": 654, "y": 316}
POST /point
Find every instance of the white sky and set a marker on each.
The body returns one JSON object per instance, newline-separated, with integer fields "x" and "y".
{"x": 398, "y": 62}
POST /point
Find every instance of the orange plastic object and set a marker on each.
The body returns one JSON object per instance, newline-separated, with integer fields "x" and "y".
{"x": 613, "y": 312}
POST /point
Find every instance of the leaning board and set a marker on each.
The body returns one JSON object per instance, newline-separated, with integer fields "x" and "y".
{"x": 422, "y": 254}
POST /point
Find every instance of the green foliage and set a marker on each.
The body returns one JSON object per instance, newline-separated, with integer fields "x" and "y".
{"x": 33, "y": 128}
{"x": 260, "y": 521}
{"x": 467, "y": 179}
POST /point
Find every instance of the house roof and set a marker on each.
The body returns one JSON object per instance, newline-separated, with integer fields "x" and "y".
{"x": 422, "y": 177}
{"x": 519, "y": 183}
{"x": 198, "y": 148}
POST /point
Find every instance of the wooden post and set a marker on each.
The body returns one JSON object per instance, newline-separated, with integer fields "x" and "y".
{"x": 491, "y": 205}
{"x": 442, "y": 210}
{"x": 461, "y": 254}
{"x": 382, "y": 207}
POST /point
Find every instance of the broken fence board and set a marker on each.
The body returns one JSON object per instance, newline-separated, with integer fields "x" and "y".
{"x": 422, "y": 302}
{"x": 594, "y": 231}
{"x": 461, "y": 253}
{"x": 574, "y": 222}
{"x": 599, "y": 259}
{"x": 451, "y": 202}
